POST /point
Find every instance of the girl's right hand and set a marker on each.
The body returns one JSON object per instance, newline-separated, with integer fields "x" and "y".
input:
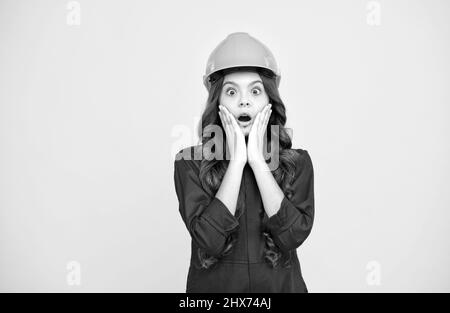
{"x": 235, "y": 137}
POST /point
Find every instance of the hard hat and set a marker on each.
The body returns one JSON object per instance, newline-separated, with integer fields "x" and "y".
{"x": 238, "y": 50}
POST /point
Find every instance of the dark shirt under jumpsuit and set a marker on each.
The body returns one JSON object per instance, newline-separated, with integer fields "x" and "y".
{"x": 210, "y": 223}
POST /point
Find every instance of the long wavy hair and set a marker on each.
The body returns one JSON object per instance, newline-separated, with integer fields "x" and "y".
{"x": 212, "y": 170}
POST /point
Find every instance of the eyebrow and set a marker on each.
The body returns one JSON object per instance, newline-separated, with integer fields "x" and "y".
{"x": 233, "y": 83}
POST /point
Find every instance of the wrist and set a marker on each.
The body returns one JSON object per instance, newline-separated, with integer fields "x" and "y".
{"x": 237, "y": 164}
{"x": 258, "y": 163}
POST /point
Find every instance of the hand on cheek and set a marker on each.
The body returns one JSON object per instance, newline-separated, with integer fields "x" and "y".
{"x": 255, "y": 145}
{"x": 235, "y": 137}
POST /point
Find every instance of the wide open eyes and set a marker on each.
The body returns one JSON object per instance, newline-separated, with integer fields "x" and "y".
{"x": 231, "y": 91}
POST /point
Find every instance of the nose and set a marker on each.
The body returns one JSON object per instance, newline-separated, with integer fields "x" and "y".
{"x": 244, "y": 100}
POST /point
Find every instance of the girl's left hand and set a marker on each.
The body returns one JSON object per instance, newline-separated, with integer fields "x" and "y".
{"x": 255, "y": 145}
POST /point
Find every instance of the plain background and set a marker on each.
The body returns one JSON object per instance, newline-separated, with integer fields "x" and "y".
{"x": 92, "y": 114}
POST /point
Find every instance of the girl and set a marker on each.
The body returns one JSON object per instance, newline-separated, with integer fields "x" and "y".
{"x": 246, "y": 218}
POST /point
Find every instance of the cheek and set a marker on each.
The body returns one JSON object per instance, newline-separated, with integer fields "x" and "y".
{"x": 261, "y": 106}
{"x": 226, "y": 102}
{"x": 262, "y": 102}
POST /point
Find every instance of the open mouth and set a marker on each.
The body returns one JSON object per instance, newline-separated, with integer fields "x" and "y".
{"x": 244, "y": 118}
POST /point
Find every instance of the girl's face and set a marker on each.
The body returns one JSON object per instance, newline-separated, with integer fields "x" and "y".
{"x": 243, "y": 94}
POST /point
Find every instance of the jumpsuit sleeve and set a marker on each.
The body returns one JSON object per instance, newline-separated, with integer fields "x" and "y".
{"x": 208, "y": 221}
{"x": 293, "y": 222}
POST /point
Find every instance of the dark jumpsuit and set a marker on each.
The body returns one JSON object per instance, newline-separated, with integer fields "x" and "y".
{"x": 210, "y": 223}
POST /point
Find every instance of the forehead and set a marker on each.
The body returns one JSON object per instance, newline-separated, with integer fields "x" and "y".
{"x": 241, "y": 77}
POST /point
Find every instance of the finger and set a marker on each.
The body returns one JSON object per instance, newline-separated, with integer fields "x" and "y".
{"x": 255, "y": 126}
{"x": 265, "y": 114}
{"x": 224, "y": 127}
{"x": 221, "y": 119}
{"x": 219, "y": 112}
{"x": 224, "y": 123}
{"x": 231, "y": 119}
{"x": 228, "y": 134}
{"x": 262, "y": 117}
{"x": 255, "y": 123}
{"x": 234, "y": 123}
{"x": 268, "y": 108}
{"x": 230, "y": 125}
{"x": 222, "y": 114}
{"x": 227, "y": 115}
{"x": 258, "y": 119}
{"x": 227, "y": 126}
{"x": 266, "y": 120}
